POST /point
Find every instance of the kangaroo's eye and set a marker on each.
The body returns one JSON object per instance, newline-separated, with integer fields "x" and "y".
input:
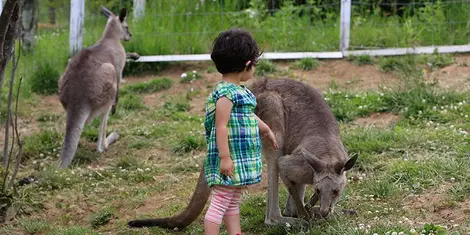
{"x": 317, "y": 190}
{"x": 335, "y": 192}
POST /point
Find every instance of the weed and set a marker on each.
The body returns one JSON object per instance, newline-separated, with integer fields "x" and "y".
{"x": 126, "y": 162}
{"x": 155, "y": 85}
{"x": 437, "y": 61}
{"x": 308, "y": 63}
{"x": 139, "y": 144}
{"x": 47, "y": 117}
{"x": 460, "y": 191}
{"x": 404, "y": 64}
{"x": 189, "y": 143}
{"x": 85, "y": 156}
{"x": 101, "y": 218}
{"x": 190, "y": 77}
{"x": 361, "y": 59}
{"x": 44, "y": 79}
{"x": 178, "y": 106}
{"x": 41, "y": 145}
{"x": 73, "y": 230}
{"x": 265, "y": 67}
{"x": 211, "y": 69}
{"x": 34, "y": 226}
{"x": 131, "y": 102}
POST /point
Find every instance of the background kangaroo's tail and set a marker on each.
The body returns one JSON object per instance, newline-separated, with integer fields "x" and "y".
{"x": 185, "y": 218}
{"x": 76, "y": 119}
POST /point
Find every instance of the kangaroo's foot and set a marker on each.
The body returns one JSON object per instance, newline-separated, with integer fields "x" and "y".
{"x": 301, "y": 224}
{"x": 112, "y": 138}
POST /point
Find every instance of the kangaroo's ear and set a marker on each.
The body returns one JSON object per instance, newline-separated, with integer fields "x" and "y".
{"x": 317, "y": 164}
{"x": 106, "y": 12}
{"x": 122, "y": 14}
{"x": 350, "y": 163}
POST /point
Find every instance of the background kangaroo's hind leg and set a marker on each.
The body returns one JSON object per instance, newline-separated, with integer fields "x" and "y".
{"x": 103, "y": 141}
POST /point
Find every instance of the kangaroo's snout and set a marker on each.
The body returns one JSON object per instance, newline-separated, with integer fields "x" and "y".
{"x": 324, "y": 213}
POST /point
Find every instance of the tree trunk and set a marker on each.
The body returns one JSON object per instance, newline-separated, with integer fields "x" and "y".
{"x": 9, "y": 31}
{"x": 29, "y": 20}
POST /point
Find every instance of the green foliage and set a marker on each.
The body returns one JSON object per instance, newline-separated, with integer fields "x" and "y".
{"x": 361, "y": 59}
{"x": 44, "y": 79}
{"x": 189, "y": 143}
{"x": 264, "y": 67}
{"x": 131, "y": 102}
{"x": 101, "y": 218}
{"x": 43, "y": 144}
{"x": 308, "y": 63}
{"x": 34, "y": 226}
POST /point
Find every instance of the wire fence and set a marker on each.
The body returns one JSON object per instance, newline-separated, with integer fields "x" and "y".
{"x": 182, "y": 27}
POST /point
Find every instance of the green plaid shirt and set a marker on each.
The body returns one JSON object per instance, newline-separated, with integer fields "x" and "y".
{"x": 243, "y": 137}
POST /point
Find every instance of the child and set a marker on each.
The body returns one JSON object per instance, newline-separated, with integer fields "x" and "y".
{"x": 232, "y": 130}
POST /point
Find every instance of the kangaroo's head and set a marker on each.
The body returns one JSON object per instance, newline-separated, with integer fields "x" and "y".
{"x": 118, "y": 23}
{"x": 329, "y": 179}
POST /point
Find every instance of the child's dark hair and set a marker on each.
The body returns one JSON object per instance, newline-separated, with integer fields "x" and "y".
{"x": 232, "y": 49}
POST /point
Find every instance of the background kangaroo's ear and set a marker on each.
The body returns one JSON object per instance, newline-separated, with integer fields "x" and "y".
{"x": 350, "y": 163}
{"x": 317, "y": 164}
{"x": 106, "y": 12}
{"x": 122, "y": 14}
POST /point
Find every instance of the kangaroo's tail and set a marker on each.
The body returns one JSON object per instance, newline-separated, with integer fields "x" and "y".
{"x": 76, "y": 119}
{"x": 185, "y": 218}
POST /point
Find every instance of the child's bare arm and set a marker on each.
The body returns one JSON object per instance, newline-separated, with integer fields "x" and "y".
{"x": 223, "y": 108}
{"x": 263, "y": 128}
{"x": 266, "y": 131}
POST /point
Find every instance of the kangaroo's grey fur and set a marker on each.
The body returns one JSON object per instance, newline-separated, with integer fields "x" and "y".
{"x": 89, "y": 87}
{"x": 310, "y": 148}
{"x": 310, "y": 152}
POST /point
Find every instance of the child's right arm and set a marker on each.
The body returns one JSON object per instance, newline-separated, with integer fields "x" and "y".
{"x": 223, "y": 108}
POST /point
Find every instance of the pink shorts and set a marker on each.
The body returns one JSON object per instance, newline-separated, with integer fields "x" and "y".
{"x": 225, "y": 201}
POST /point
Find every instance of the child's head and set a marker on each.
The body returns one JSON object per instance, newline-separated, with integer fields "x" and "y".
{"x": 235, "y": 51}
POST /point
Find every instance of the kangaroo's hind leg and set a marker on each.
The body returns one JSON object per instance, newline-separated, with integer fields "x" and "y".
{"x": 103, "y": 141}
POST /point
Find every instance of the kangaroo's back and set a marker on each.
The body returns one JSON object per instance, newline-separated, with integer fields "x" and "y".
{"x": 304, "y": 113}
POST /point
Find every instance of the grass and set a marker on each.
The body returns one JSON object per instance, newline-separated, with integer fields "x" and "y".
{"x": 265, "y": 67}
{"x": 307, "y": 63}
{"x": 361, "y": 59}
{"x": 101, "y": 218}
{"x": 153, "y": 85}
{"x": 152, "y": 170}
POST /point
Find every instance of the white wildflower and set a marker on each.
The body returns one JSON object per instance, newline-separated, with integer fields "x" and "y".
{"x": 183, "y": 75}
{"x": 287, "y": 225}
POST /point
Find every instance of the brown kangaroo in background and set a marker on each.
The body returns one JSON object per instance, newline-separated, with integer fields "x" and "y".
{"x": 89, "y": 87}
{"x": 310, "y": 152}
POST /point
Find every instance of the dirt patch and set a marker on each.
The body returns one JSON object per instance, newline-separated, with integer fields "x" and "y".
{"x": 432, "y": 205}
{"x": 381, "y": 120}
{"x": 346, "y": 75}
{"x": 455, "y": 76}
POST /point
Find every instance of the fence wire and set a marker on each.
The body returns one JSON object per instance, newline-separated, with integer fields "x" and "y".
{"x": 172, "y": 27}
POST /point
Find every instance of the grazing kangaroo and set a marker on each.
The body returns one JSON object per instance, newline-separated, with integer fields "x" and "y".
{"x": 89, "y": 87}
{"x": 310, "y": 152}
{"x": 310, "y": 148}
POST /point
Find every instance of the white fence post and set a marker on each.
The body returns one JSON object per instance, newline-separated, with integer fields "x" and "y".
{"x": 139, "y": 9}
{"x": 77, "y": 15}
{"x": 1, "y": 6}
{"x": 345, "y": 25}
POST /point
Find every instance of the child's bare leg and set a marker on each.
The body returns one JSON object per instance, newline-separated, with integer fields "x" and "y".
{"x": 232, "y": 222}
{"x": 232, "y": 215}
{"x": 211, "y": 228}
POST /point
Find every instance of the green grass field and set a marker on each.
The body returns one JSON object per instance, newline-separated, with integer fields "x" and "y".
{"x": 410, "y": 131}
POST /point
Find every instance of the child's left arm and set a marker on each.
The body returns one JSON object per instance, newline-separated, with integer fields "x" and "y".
{"x": 266, "y": 131}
